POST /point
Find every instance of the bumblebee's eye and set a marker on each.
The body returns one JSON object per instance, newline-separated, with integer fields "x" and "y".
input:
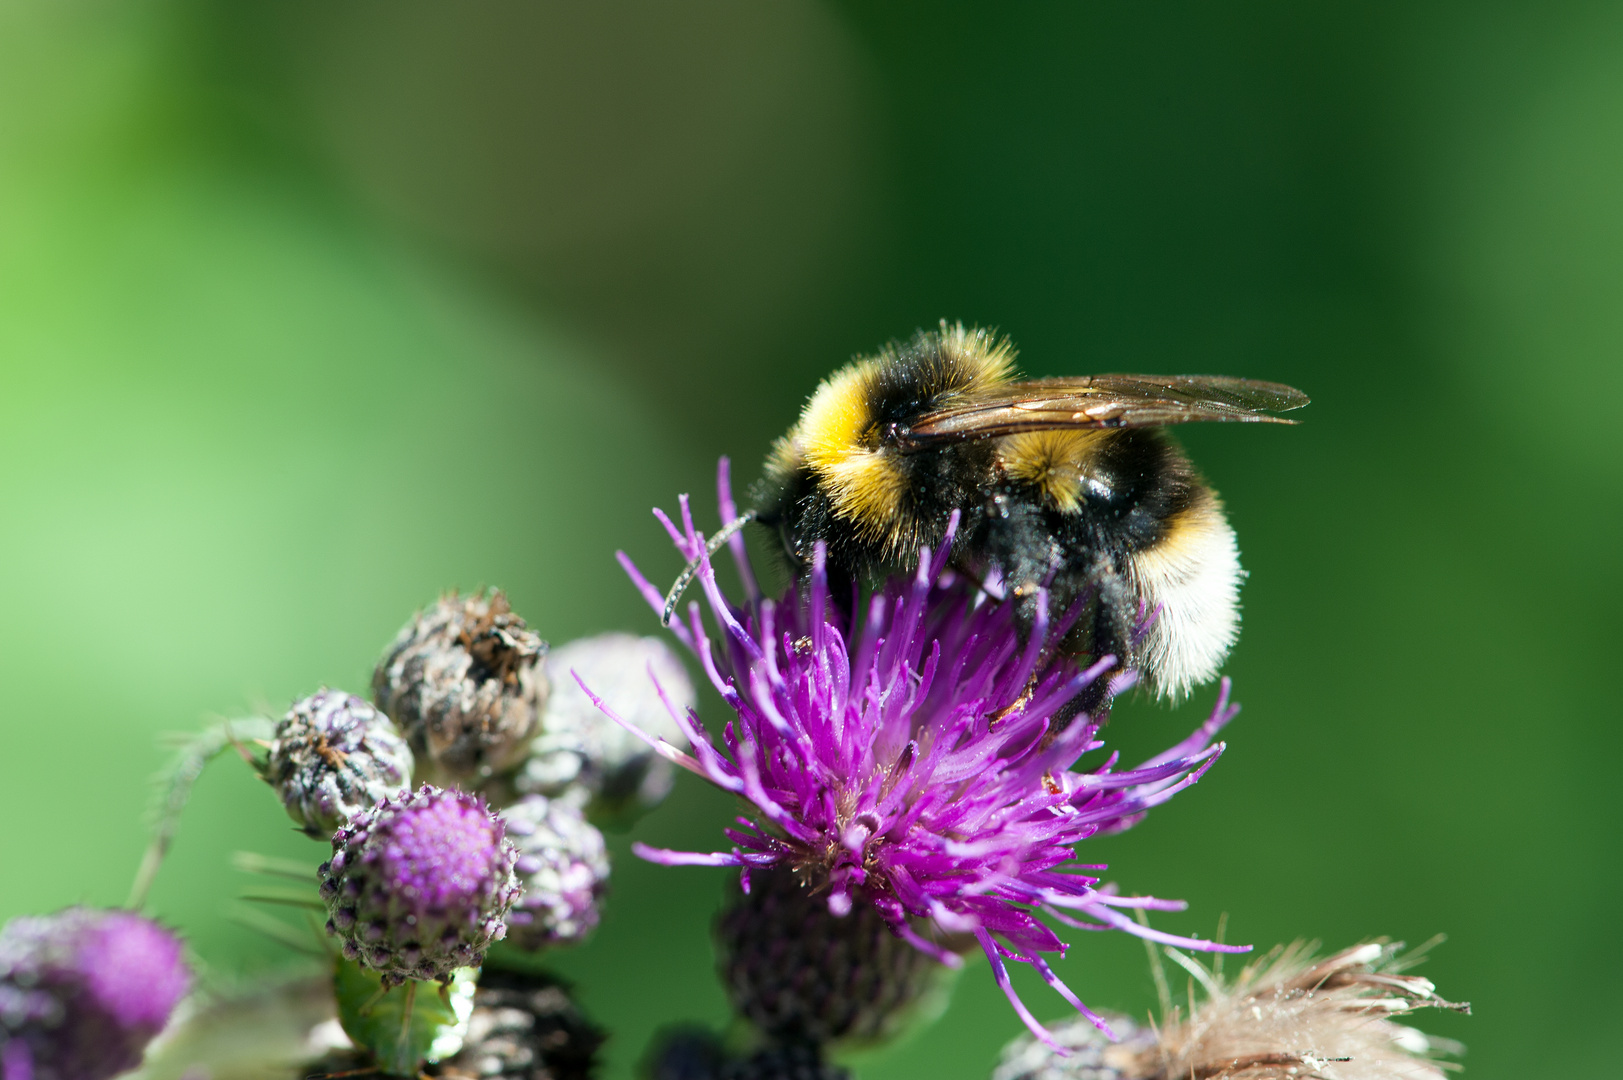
{"x": 1100, "y": 488}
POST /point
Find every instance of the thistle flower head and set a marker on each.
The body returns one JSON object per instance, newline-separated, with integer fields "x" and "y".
{"x": 563, "y": 868}
{"x": 334, "y": 755}
{"x": 421, "y": 885}
{"x": 466, "y": 681}
{"x": 911, "y": 759}
{"x": 82, "y": 992}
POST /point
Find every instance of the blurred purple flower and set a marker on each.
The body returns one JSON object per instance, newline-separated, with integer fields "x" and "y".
{"x": 563, "y": 868}
{"x": 912, "y": 760}
{"x": 82, "y": 992}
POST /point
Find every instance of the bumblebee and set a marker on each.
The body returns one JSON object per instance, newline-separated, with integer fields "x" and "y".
{"x": 1067, "y": 485}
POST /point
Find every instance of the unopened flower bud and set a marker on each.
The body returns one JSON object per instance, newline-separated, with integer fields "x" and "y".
{"x": 563, "y": 867}
{"x": 466, "y": 681}
{"x": 790, "y": 1061}
{"x": 82, "y": 992}
{"x": 690, "y": 1052}
{"x": 420, "y": 886}
{"x": 801, "y": 974}
{"x": 581, "y": 753}
{"x": 525, "y": 1026}
{"x": 683, "y": 1052}
{"x": 334, "y": 756}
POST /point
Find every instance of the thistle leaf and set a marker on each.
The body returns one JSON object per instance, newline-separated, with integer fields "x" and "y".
{"x": 409, "y": 1024}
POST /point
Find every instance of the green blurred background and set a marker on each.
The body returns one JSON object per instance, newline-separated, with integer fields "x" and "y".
{"x": 309, "y": 311}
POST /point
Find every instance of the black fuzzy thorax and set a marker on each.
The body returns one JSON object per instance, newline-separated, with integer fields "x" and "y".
{"x": 1141, "y": 482}
{"x": 907, "y": 382}
{"x": 1082, "y": 559}
{"x": 924, "y": 375}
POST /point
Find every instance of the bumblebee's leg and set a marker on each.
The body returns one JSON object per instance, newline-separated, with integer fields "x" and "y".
{"x": 1018, "y": 541}
{"x": 1104, "y": 628}
{"x": 844, "y": 588}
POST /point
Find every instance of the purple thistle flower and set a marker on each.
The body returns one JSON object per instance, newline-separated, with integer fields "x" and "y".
{"x": 912, "y": 761}
{"x": 82, "y": 992}
{"x": 420, "y": 885}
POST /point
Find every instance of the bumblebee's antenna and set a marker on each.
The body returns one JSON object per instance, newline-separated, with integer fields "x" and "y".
{"x": 728, "y": 531}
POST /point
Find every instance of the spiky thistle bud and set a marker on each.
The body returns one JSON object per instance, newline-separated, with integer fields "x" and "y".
{"x": 563, "y": 867}
{"x": 420, "y": 885}
{"x": 82, "y": 992}
{"x": 334, "y": 756}
{"x": 526, "y": 1027}
{"x": 466, "y": 681}
{"x": 582, "y": 754}
{"x": 801, "y": 974}
{"x": 1285, "y": 1017}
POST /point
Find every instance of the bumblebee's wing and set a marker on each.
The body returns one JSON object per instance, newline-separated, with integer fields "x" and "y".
{"x": 1105, "y": 401}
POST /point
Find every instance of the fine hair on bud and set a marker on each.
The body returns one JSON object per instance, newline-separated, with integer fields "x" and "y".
{"x": 466, "y": 681}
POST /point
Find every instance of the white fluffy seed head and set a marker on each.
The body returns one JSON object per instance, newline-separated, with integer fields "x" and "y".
{"x": 1288, "y": 1016}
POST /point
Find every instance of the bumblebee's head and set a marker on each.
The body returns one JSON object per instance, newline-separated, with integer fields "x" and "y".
{"x": 843, "y": 447}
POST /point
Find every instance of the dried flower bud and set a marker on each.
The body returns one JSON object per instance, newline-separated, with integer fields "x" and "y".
{"x": 581, "y": 753}
{"x": 563, "y": 866}
{"x": 466, "y": 681}
{"x": 791, "y": 1061}
{"x": 683, "y": 1052}
{"x": 801, "y": 974}
{"x": 82, "y": 992}
{"x": 526, "y": 1027}
{"x": 689, "y": 1052}
{"x": 334, "y": 756}
{"x": 1285, "y": 1017}
{"x": 419, "y": 886}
